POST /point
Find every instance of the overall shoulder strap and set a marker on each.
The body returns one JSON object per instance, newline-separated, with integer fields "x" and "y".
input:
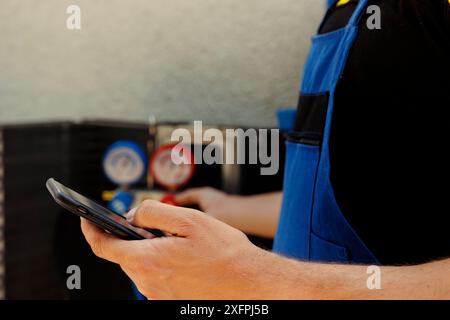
{"x": 356, "y": 15}
{"x": 330, "y": 3}
{"x": 359, "y": 12}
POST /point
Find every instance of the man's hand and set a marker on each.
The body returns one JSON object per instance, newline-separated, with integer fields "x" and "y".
{"x": 204, "y": 259}
{"x": 210, "y": 200}
{"x": 256, "y": 215}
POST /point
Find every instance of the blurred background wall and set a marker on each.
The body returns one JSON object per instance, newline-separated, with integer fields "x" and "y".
{"x": 229, "y": 62}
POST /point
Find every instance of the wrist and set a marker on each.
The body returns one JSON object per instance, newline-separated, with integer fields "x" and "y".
{"x": 248, "y": 272}
{"x": 264, "y": 275}
{"x": 282, "y": 278}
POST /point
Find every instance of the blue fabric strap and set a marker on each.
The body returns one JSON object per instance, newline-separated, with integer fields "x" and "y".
{"x": 359, "y": 12}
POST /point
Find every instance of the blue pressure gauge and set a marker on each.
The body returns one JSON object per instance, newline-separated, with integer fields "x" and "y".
{"x": 124, "y": 163}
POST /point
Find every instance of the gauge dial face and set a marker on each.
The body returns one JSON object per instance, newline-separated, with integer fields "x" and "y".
{"x": 172, "y": 175}
{"x": 124, "y": 163}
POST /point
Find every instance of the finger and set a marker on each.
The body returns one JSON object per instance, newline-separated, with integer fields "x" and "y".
{"x": 130, "y": 214}
{"x": 105, "y": 245}
{"x": 156, "y": 215}
{"x": 188, "y": 197}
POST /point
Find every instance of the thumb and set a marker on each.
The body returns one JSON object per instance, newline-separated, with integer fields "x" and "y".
{"x": 152, "y": 214}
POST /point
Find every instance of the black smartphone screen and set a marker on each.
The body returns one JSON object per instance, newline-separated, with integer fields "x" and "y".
{"x": 96, "y": 213}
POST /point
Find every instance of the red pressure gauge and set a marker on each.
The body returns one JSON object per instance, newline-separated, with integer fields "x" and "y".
{"x": 169, "y": 174}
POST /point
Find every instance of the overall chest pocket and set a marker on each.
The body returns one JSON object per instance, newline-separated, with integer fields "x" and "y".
{"x": 293, "y": 236}
{"x": 303, "y": 150}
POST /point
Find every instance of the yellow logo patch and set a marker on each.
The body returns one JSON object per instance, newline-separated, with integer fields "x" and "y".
{"x": 344, "y": 2}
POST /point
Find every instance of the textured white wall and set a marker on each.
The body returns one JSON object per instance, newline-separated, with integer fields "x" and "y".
{"x": 229, "y": 61}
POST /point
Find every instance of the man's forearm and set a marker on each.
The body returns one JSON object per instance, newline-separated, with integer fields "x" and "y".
{"x": 291, "y": 279}
{"x": 257, "y": 215}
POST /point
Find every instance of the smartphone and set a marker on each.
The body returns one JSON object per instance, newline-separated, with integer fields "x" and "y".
{"x": 102, "y": 217}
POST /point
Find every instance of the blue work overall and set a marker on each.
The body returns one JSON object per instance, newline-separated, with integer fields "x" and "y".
{"x": 311, "y": 226}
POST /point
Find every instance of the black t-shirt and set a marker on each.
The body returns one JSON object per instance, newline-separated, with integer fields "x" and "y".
{"x": 390, "y": 132}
